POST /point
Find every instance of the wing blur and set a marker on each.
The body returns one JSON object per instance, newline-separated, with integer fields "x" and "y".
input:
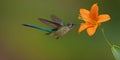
{"x": 56, "y": 19}
{"x": 53, "y": 25}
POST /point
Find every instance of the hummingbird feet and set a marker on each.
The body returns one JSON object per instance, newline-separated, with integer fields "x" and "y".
{"x": 57, "y": 37}
{"x": 47, "y": 33}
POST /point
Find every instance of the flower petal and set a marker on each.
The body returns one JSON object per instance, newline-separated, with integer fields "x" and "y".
{"x": 91, "y": 30}
{"x": 83, "y": 26}
{"x": 84, "y": 14}
{"x": 103, "y": 18}
{"x": 94, "y": 11}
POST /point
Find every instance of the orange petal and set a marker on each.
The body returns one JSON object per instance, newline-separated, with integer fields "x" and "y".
{"x": 84, "y": 14}
{"x": 83, "y": 26}
{"x": 94, "y": 11}
{"x": 103, "y": 18}
{"x": 91, "y": 30}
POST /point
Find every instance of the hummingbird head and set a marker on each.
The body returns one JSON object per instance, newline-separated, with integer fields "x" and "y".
{"x": 70, "y": 25}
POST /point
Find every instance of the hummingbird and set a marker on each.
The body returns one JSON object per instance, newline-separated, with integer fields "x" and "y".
{"x": 57, "y": 27}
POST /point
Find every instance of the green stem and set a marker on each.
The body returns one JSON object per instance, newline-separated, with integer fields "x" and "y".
{"x": 108, "y": 42}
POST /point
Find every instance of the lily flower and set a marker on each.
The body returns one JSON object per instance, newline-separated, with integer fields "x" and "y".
{"x": 91, "y": 19}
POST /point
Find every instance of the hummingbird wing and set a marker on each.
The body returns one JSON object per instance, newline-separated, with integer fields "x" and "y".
{"x": 57, "y": 20}
{"x": 53, "y": 25}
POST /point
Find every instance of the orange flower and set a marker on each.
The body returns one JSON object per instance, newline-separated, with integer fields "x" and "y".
{"x": 92, "y": 19}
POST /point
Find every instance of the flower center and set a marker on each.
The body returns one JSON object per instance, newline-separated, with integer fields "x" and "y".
{"x": 92, "y": 22}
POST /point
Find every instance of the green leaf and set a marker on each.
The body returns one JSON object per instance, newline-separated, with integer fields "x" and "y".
{"x": 116, "y": 52}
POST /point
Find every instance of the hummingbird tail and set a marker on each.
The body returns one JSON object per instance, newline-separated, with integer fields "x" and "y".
{"x": 37, "y": 27}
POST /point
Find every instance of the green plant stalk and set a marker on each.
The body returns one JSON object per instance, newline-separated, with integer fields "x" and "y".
{"x": 107, "y": 41}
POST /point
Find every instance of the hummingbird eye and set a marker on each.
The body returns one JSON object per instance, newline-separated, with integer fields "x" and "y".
{"x": 70, "y": 25}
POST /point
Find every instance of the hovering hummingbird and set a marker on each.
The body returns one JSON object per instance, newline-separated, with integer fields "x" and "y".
{"x": 58, "y": 29}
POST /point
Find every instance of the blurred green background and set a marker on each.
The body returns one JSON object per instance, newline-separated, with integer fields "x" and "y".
{"x": 22, "y": 43}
